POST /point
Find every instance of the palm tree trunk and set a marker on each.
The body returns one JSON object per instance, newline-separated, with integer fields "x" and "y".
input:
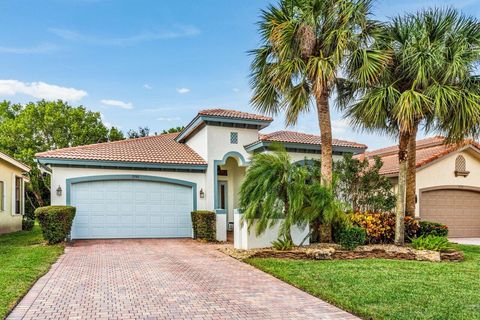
{"x": 323, "y": 111}
{"x": 411, "y": 173}
{"x": 402, "y": 180}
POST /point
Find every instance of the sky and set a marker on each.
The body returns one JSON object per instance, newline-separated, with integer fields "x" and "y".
{"x": 151, "y": 63}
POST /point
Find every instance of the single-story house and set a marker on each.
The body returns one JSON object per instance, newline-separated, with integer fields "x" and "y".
{"x": 147, "y": 187}
{"x": 447, "y": 182}
{"x": 12, "y": 193}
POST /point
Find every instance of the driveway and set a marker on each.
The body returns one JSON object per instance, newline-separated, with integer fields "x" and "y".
{"x": 163, "y": 279}
{"x": 474, "y": 241}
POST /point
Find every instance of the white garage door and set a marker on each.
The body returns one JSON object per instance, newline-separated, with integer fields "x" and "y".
{"x": 131, "y": 209}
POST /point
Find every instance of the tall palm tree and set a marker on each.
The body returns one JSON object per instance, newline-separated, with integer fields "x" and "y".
{"x": 305, "y": 44}
{"x": 429, "y": 81}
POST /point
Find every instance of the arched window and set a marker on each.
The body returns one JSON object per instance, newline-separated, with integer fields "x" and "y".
{"x": 461, "y": 166}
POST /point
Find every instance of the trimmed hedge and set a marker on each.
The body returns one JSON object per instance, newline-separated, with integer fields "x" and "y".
{"x": 428, "y": 228}
{"x": 56, "y": 222}
{"x": 27, "y": 224}
{"x": 351, "y": 237}
{"x": 204, "y": 225}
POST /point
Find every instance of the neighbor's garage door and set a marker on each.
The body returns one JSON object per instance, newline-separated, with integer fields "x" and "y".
{"x": 458, "y": 209}
{"x": 131, "y": 209}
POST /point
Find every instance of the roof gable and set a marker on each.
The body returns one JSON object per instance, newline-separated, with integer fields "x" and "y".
{"x": 14, "y": 162}
{"x": 161, "y": 149}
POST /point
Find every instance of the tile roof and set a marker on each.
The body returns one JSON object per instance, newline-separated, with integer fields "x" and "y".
{"x": 428, "y": 150}
{"x": 305, "y": 138}
{"x": 161, "y": 149}
{"x": 224, "y": 113}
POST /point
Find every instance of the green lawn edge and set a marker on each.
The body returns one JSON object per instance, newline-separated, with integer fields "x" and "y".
{"x": 24, "y": 258}
{"x": 388, "y": 289}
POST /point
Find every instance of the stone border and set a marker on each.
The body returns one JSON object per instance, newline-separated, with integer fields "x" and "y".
{"x": 334, "y": 252}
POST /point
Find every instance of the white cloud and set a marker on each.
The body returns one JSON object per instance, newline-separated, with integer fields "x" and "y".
{"x": 117, "y": 103}
{"x": 147, "y": 86}
{"x": 340, "y": 126}
{"x": 40, "y": 90}
{"x": 176, "y": 32}
{"x": 41, "y": 48}
{"x": 168, "y": 119}
{"x": 183, "y": 90}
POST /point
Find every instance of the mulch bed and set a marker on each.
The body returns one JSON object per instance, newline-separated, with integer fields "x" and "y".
{"x": 325, "y": 251}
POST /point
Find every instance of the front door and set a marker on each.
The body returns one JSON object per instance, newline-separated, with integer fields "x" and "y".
{"x": 222, "y": 205}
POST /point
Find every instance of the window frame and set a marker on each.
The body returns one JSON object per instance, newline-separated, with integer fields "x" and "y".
{"x": 21, "y": 194}
{"x": 2, "y": 196}
{"x": 233, "y": 137}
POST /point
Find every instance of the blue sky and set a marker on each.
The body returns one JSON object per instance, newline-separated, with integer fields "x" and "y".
{"x": 149, "y": 63}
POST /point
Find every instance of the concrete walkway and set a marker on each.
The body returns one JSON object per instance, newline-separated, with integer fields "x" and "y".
{"x": 474, "y": 241}
{"x": 163, "y": 279}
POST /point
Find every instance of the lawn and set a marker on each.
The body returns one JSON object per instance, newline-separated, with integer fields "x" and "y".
{"x": 23, "y": 259}
{"x": 389, "y": 289}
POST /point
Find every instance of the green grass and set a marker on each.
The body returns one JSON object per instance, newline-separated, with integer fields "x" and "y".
{"x": 24, "y": 258}
{"x": 389, "y": 289}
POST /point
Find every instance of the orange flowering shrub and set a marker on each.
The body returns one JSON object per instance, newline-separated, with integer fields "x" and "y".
{"x": 380, "y": 226}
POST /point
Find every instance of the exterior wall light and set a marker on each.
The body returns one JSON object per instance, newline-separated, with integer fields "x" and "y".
{"x": 59, "y": 191}
{"x": 202, "y": 193}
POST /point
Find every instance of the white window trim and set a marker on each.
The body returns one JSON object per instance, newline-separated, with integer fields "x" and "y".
{"x": 22, "y": 193}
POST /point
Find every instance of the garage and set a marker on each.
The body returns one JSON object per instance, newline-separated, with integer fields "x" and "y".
{"x": 131, "y": 208}
{"x": 457, "y": 207}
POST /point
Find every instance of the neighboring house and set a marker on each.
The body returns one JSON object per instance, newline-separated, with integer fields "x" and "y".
{"x": 12, "y": 193}
{"x": 447, "y": 183}
{"x": 147, "y": 187}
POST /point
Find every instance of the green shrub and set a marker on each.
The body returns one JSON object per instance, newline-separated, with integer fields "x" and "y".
{"x": 204, "y": 225}
{"x": 351, "y": 237}
{"x": 431, "y": 242}
{"x": 56, "y": 222}
{"x": 432, "y": 228}
{"x": 380, "y": 226}
{"x": 283, "y": 244}
{"x": 27, "y": 224}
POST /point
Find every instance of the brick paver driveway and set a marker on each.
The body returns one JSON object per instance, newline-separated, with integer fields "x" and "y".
{"x": 163, "y": 279}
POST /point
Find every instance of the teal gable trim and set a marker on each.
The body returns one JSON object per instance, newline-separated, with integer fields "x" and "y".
{"x": 122, "y": 165}
{"x": 216, "y": 163}
{"x": 199, "y": 119}
{"x": 302, "y": 147}
{"x": 71, "y": 181}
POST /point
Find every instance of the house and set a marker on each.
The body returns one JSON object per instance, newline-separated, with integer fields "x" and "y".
{"x": 447, "y": 183}
{"x": 147, "y": 187}
{"x": 12, "y": 193}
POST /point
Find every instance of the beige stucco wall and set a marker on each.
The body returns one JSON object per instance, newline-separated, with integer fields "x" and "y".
{"x": 441, "y": 173}
{"x": 9, "y": 221}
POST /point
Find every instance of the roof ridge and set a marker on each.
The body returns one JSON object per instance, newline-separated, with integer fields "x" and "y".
{"x": 86, "y": 146}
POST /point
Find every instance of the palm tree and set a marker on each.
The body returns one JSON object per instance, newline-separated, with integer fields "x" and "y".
{"x": 428, "y": 82}
{"x": 305, "y": 43}
{"x": 275, "y": 188}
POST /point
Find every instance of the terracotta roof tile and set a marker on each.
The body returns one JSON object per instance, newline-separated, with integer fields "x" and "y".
{"x": 234, "y": 114}
{"x": 305, "y": 138}
{"x": 428, "y": 150}
{"x": 155, "y": 149}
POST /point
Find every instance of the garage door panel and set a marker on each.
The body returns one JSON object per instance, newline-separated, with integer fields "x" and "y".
{"x": 131, "y": 209}
{"x": 459, "y": 209}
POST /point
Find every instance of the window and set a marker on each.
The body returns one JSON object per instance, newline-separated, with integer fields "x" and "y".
{"x": 461, "y": 166}
{"x": 18, "y": 195}
{"x": 233, "y": 137}
{"x": 2, "y": 196}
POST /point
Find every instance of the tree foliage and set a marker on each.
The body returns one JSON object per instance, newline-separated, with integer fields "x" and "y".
{"x": 46, "y": 125}
{"x": 173, "y": 130}
{"x": 274, "y": 188}
{"x": 360, "y": 185}
{"x": 140, "y": 133}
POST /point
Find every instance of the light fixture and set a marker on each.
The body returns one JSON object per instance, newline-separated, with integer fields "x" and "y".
{"x": 202, "y": 194}
{"x": 59, "y": 191}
